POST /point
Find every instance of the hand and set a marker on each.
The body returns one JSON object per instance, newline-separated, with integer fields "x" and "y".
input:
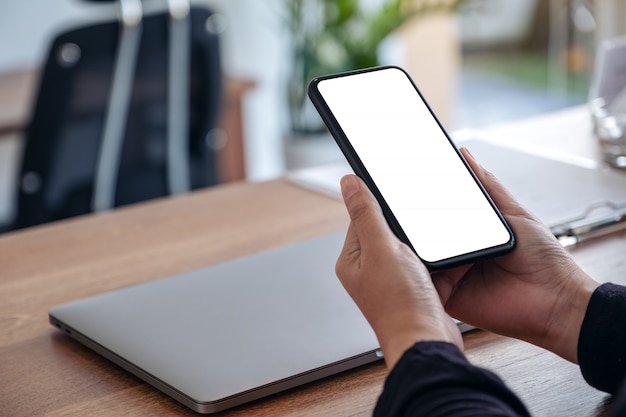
{"x": 536, "y": 293}
{"x": 387, "y": 281}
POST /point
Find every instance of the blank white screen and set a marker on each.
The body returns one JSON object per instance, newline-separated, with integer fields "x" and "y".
{"x": 441, "y": 209}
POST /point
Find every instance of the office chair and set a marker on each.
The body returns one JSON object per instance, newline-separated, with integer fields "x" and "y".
{"x": 123, "y": 114}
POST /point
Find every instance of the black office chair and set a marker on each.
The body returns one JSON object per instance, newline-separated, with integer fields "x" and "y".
{"x": 123, "y": 114}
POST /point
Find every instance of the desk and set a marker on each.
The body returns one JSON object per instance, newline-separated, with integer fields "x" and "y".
{"x": 43, "y": 372}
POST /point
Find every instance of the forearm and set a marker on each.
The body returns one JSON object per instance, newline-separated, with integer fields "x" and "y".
{"x": 602, "y": 344}
{"x": 435, "y": 379}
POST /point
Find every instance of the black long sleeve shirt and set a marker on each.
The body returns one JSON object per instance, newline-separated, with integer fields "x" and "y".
{"x": 435, "y": 379}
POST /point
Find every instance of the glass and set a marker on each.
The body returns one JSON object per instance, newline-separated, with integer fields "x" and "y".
{"x": 610, "y": 130}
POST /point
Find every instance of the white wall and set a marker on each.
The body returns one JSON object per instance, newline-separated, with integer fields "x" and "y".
{"x": 252, "y": 48}
{"x": 26, "y": 27}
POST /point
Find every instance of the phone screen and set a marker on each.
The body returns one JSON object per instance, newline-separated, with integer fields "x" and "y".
{"x": 392, "y": 139}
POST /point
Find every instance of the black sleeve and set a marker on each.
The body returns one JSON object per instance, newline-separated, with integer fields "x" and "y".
{"x": 435, "y": 379}
{"x": 602, "y": 340}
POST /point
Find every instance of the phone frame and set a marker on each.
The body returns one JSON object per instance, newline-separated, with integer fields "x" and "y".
{"x": 360, "y": 170}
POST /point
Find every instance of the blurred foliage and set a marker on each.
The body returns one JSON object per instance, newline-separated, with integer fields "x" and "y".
{"x": 329, "y": 36}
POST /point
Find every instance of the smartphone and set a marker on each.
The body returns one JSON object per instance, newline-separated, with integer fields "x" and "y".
{"x": 430, "y": 197}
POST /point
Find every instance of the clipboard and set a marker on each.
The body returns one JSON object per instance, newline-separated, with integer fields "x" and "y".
{"x": 577, "y": 199}
{"x": 577, "y": 202}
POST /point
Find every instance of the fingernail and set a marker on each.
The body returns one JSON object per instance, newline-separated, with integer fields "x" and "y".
{"x": 469, "y": 153}
{"x": 349, "y": 186}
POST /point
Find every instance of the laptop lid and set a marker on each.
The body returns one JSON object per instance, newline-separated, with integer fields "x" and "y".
{"x": 230, "y": 333}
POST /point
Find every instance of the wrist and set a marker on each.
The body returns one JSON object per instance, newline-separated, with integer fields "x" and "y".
{"x": 396, "y": 339}
{"x": 566, "y": 320}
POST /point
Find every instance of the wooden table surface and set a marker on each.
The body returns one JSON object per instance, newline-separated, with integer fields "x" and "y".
{"x": 42, "y": 372}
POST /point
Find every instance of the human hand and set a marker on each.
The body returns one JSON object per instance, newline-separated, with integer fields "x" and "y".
{"x": 387, "y": 280}
{"x": 536, "y": 293}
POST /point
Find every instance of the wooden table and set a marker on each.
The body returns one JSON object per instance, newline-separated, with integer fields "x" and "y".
{"x": 42, "y": 372}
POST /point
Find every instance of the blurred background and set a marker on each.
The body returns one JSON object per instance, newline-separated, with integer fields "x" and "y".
{"x": 478, "y": 62}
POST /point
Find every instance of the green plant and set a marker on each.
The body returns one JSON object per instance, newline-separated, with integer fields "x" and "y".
{"x": 329, "y": 36}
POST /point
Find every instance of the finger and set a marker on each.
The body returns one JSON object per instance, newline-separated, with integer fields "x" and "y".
{"x": 351, "y": 243}
{"x": 501, "y": 196}
{"x": 447, "y": 280}
{"x": 365, "y": 213}
{"x": 349, "y": 258}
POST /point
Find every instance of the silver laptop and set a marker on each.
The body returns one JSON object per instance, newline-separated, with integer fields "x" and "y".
{"x": 234, "y": 332}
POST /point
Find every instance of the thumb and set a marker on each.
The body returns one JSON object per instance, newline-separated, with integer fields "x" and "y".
{"x": 366, "y": 216}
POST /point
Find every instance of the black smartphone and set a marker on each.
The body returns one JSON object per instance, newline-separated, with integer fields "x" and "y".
{"x": 430, "y": 197}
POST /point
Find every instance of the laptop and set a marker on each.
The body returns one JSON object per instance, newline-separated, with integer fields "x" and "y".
{"x": 230, "y": 333}
{"x": 234, "y": 332}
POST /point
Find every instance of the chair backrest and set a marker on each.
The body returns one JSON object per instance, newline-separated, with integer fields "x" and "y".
{"x": 65, "y": 134}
